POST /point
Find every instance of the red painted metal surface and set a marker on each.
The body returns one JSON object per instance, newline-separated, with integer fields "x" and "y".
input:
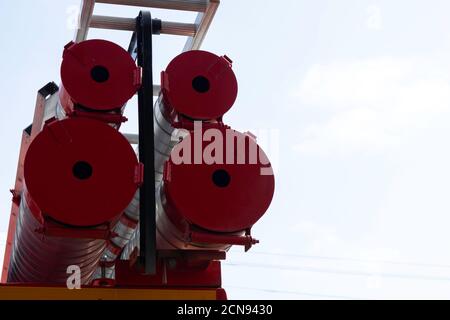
{"x": 219, "y": 197}
{"x": 18, "y": 185}
{"x": 170, "y": 275}
{"x": 67, "y": 210}
{"x": 211, "y": 203}
{"x": 199, "y": 85}
{"x": 221, "y": 294}
{"x": 14, "y": 207}
{"x": 80, "y": 172}
{"x": 98, "y": 75}
{"x": 38, "y": 258}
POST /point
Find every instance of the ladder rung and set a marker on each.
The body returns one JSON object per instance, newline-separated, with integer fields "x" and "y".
{"x": 129, "y": 24}
{"x": 132, "y": 138}
{"x": 185, "y": 5}
{"x": 178, "y": 28}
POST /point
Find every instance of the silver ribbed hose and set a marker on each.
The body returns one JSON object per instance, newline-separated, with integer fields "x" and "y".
{"x": 166, "y": 137}
{"x": 168, "y": 236}
{"x": 60, "y": 114}
{"x": 33, "y": 253}
{"x": 124, "y": 229}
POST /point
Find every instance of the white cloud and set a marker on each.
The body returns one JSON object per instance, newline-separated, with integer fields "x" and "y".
{"x": 325, "y": 239}
{"x": 372, "y": 104}
{"x": 375, "y": 19}
{"x": 316, "y": 236}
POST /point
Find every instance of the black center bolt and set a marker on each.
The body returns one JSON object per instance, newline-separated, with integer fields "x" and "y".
{"x": 99, "y": 74}
{"x": 200, "y": 84}
{"x": 82, "y": 170}
{"x": 221, "y": 178}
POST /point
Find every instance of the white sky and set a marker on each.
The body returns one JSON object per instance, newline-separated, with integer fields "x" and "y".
{"x": 359, "y": 94}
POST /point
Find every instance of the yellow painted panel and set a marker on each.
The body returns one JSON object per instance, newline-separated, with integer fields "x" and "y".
{"x": 50, "y": 293}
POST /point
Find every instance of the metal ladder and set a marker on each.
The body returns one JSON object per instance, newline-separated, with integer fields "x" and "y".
{"x": 196, "y": 32}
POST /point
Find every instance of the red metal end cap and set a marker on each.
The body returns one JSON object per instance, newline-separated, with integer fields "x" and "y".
{"x": 99, "y": 74}
{"x": 200, "y": 85}
{"x": 226, "y": 193}
{"x": 80, "y": 172}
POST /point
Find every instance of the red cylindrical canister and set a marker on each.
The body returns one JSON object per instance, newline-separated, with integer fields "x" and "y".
{"x": 196, "y": 85}
{"x": 214, "y": 191}
{"x": 79, "y": 174}
{"x": 97, "y": 75}
{"x": 199, "y": 85}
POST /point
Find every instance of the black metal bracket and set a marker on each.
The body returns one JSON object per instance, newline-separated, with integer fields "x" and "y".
{"x": 49, "y": 89}
{"x": 141, "y": 49}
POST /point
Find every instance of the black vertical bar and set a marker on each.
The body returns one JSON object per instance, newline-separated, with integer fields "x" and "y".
{"x": 147, "y": 252}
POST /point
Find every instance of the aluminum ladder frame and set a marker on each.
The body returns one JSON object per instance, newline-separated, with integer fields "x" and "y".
{"x": 196, "y": 32}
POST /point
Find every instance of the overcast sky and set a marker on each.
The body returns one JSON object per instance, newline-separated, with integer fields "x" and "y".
{"x": 351, "y": 99}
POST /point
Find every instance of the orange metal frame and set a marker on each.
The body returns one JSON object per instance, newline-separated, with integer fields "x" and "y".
{"x": 38, "y": 120}
{"x": 16, "y": 292}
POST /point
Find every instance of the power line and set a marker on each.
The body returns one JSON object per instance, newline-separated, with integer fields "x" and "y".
{"x": 317, "y": 257}
{"x": 306, "y": 294}
{"x": 341, "y": 272}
